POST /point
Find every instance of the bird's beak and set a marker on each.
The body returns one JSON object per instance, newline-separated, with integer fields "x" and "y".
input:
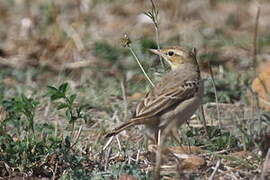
{"x": 156, "y": 51}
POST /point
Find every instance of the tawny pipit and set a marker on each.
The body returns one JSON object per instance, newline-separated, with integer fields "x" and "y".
{"x": 175, "y": 97}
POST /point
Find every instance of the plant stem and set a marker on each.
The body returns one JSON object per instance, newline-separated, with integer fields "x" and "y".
{"x": 136, "y": 58}
{"x": 255, "y": 37}
{"x": 157, "y": 39}
{"x": 216, "y": 95}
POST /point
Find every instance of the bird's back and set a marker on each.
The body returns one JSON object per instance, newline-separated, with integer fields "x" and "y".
{"x": 176, "y": 78}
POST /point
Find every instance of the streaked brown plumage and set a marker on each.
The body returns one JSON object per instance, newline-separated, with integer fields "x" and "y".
{"x": 175, "y": 97}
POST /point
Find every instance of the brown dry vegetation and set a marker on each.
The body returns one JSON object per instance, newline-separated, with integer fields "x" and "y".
{"x": 51, "y": 42}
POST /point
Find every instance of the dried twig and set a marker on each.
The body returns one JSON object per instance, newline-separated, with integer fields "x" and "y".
{"x": 215, "y": 170}
{"x": 55, "y": 171}
{"x": 107, "y": 143}
{"x": 107, "y": 158}
{"x": 119, "y": 144}
{"x": 124, "y": 98}
{"x": 76, "y": 137}
{"x": 255, "y": 50}
{"x": 138, "y": 156}
{"x": 266, "y": 166}
{"x": 203, "y": 118}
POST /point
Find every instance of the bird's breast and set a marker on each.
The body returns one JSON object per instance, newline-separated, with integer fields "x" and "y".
{"x": 181, "y": 112}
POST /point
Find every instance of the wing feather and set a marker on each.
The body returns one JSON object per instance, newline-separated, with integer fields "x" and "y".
{"x": 156, "y": 103}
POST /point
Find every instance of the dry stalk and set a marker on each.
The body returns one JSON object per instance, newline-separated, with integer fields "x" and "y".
{"x": 266, "y": 166}
{"x": 255, "y": 37}
{"x": 76, "y": 137}
{"x": 216, "y": 97}
{"x": 255, "y": 51}
{"x": 107, "y": 143}
{"x": 215, "y": 170}
{"x": 203, "y": 118}
{"x": 55, "y": 171}
{"x": 107, "y": 158}
{"x": 119, "y": 144}
{"x": 124, "y": 98}
{"x": 138, "y": 156}
{"x": 153, "y": 15}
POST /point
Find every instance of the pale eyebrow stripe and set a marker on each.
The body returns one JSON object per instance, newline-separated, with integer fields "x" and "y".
{"x": 181, "y": 53}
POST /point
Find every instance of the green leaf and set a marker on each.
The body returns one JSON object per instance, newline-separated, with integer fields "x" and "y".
{"x": 24, "y": 99}
{"x": 62, "y": 106}
{"x": 52, "y": 88}
{"x": 68, "y": 141}
{"x": 72, "y": 98}
{"x": 69, "y": 115}
{"x": 57, "y": 96}
{"x": 63, "y": 87}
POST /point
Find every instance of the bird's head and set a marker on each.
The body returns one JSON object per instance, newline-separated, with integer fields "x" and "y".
{"x": 176, "y": 56}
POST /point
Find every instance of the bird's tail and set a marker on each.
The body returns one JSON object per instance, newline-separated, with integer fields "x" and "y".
{"x": 124, "y": 126}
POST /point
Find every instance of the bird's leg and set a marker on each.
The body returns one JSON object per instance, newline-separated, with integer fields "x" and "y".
{"x": 151, "y": 139}
{"x": 176, "y": 135}
{"x": 158, "y": 137}
{"x": 159, "y": 155}
{"x": 152, "y": 135}
{"x": 163, "y": 137}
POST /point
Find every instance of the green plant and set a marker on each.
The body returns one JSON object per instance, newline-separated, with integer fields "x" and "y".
{"x": 217, "y": 139}
{"x": 18, "y": 106}
{"x": 126, "y": 168}
{"x": 41, "y": 149}
{"x": 229, "y": 88}
{"x": 40, "y": 154}
{"x": 65, "y": 101}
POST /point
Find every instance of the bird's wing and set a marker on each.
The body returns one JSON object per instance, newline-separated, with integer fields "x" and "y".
{"x": 156, "y": 103}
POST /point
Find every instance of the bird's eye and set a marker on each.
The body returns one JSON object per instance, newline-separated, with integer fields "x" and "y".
{"x": 170, "y": 53}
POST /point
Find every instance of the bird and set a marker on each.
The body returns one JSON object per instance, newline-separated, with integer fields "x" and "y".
{"x": 173, "y": 100}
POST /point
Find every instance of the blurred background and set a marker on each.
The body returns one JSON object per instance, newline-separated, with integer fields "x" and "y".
{"x": 53, "y": 33}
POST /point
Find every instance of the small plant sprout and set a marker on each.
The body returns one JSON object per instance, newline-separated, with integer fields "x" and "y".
{"x": 22, "y": 105}
{"x": 72, "y": 113}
